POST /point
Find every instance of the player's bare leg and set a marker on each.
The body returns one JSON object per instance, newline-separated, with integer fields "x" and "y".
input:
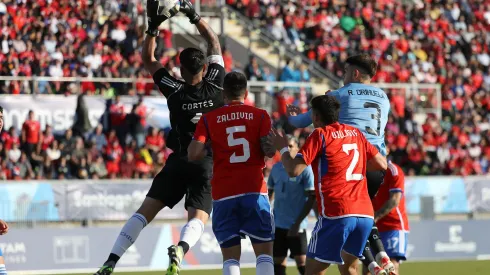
{"x": 314, "y": 267}
{"x": 280, "y": 265}
{"x": 130, "y": 232}
{"x": 350, "y": 264}
{"x": 190, "y": 234}
{"x": 300, "y": 263}
{"x": 263, "y": 252}
{"x": 231, "y": 260}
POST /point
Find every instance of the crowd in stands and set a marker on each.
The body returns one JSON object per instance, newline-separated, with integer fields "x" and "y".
{"x": 444, "y": 42}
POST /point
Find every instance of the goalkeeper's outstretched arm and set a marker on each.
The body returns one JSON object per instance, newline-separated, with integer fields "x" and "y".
{"x": 214, "y": 47}
{"x": 148, "y": 55}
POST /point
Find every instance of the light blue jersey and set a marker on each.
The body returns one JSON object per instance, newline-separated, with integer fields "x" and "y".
{"x": 289, "y": 195}
{"x": 362, "y": 106}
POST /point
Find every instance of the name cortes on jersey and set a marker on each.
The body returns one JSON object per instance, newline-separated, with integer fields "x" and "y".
{"x": 234, "y": 116}
{"x": 197, "y": 105}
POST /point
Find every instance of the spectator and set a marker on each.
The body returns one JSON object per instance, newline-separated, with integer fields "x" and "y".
{"x": 31, "y": 133}
{"x": 82, "y": 123}
{"x": 253, "y": 71}
{"x": 117, "y": 116}
{"x": 98, "y": 169}
{"x": 98, "y": 137}
{"x": 128, "y": 166}
{"x": 14, "y": 153}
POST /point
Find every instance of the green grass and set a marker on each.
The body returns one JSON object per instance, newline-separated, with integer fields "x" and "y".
{"x": 439, "y": 268}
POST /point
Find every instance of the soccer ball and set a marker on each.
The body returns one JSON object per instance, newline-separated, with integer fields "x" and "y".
{"x": 168, "y": 8}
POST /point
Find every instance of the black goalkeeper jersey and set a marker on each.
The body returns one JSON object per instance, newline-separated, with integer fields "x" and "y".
{"x": 187, "y": 103}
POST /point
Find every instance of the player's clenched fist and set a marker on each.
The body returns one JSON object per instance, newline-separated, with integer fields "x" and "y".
{"x": 4, "y": 227}
{"x": 292, "y": 110}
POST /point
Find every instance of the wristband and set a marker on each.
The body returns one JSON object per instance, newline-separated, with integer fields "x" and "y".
{"x": 284, "y": 150}
{"x": 153, "y": 33}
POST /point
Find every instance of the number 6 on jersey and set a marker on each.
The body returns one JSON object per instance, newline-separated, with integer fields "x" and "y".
{"x": 238, "y": 141}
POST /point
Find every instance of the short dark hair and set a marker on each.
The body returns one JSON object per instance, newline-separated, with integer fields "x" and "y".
{"x": 327, "y": 107}
{"x": 1, "y": 109}
{"x": 365, "y": 62}
{"x": 235, "y": 85}
{"x": 192, "y": 60}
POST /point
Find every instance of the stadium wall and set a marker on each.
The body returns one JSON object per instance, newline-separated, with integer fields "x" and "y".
{"x": 82, "y": 250}
{"x": 109, "y": 200}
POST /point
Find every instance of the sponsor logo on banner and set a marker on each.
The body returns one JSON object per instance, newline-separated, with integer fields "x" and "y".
{"x": 119, "y": 202}
{"x": 14, "y": 252}
{"x": 59, "y": 111}
{"x": 71, "y": 249}
{"x": 456, "y": 242}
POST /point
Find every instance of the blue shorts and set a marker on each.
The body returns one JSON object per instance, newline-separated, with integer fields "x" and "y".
{"x": 250, "y": 215}
{"x": 331, "y": 236}
{"x": 395, "y": 243}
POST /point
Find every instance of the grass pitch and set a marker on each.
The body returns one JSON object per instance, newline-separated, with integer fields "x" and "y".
{"x": 439, "y": 268}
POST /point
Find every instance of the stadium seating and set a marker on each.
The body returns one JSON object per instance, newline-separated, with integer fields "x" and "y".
{"x": 440, "y": 44}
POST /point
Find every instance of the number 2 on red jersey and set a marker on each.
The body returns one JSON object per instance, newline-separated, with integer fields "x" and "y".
{"x": 347, "y": 148}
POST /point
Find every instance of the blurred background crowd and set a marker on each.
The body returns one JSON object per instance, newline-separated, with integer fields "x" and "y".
{"x": 445, "y": 42}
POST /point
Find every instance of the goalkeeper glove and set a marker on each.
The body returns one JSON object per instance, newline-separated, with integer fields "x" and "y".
{"x": 187, "y": 9}
{"x": 155, "y": 16}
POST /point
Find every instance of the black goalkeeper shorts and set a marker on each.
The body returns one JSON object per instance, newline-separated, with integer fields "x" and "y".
{"x": 180, "y": 178}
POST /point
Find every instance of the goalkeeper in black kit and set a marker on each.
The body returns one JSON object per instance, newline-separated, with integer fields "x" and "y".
{"x": 200, "y": 92}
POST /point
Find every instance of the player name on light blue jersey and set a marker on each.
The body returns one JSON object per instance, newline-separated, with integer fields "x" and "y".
{"x": 362, "y": 106}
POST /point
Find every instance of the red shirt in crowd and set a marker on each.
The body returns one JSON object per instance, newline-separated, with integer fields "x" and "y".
{"x": 117, "y": 114}
{"x": 32, "y": 129}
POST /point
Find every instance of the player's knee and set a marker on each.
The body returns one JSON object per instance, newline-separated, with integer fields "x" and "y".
{"x": 280, "y": 260}
{"x": 150, "y": 208}
{"x": 262, "y": 248}
{"x": 199, "y": 214}
{"x": 300, "y": 260}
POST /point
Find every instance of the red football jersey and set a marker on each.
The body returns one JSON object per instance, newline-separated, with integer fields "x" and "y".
{"x": 394, "y": 182}
{"x": 235, "y": 131}
{"x": 32, "y": 129}
{"x": 338, "y": 154}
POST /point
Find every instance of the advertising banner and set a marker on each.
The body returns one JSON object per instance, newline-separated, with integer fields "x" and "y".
{"x": 77, "y": 200}
{"x": 478, "y": 193}
{"x": 84, "y": 249}
{"x": 59, "y": 111}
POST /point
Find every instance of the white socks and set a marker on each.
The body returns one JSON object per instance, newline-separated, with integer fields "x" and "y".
{"x": 265, "y": 265}
{"x": 231, "y": 267}
{"x": 3, "y": 270}
{"x": 380, "y": 256}
{"x": 129, "y": 234}
{"x": 191, "y": 232}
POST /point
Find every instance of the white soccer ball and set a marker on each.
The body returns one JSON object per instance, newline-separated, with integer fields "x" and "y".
{"x": 168, "y": 8}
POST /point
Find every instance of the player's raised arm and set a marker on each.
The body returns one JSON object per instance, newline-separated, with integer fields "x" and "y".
{"x": 300, "y": 120}
{"x": 376, "y": 161}
{"x": 214, "y": 47}
{"x": 154, "y": 21}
